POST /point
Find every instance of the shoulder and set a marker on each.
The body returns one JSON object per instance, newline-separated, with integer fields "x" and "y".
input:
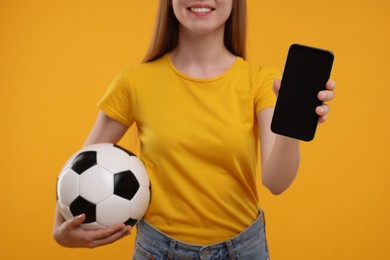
{"x": 133, "y": 75}
{"x": 259, "y": 74}
{"x": 257, "y": 71}
{"x": 146, "y": 69}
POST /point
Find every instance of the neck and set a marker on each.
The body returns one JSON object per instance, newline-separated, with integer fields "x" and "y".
{"x": 202, "y": 55}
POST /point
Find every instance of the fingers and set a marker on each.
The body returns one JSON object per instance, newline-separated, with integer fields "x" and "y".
{"x": 323, "y": 110}
{"x": 106, "y": 232}
{"x": 322, "y": 119}
{"x": 75, "y": 236}
{"x": 109, "y": 235}
{"x": 328, "y": 94}
{"x": 330, "y": 85}
{"x": 74, "y": 222}
{"x": 325, "y": 95}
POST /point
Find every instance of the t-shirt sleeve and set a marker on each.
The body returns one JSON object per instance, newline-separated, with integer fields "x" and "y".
{"x": 117, "y": 101}
{"x": 264, "y": 95}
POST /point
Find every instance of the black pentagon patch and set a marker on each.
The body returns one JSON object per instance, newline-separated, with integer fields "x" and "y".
{"x": 131, "y": 222}
{"x": 80, "y": 206}
{"x": 125, "y": 150}
{"x": 125, "y": 185}
{"x": 84, "y": 161}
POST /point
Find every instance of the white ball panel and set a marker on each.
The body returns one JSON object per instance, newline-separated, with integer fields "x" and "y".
{"x": 113, "y": 159}
{"x": 96, "y": 184}
{"x": 68, "y": 186}
{"x": 113, "y": 210}
{"x": 140, "y": 203}
{"x": 92, "y": 226}
{"x": 138, "y": 169}
{"x": 64, "y": 210}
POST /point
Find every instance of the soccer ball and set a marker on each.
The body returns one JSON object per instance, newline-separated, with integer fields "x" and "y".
{"x": 107, "y": 183}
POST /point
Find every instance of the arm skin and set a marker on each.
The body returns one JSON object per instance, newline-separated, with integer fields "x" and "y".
{"x": 280, "y": 156}
{"x": 69, "y": 233}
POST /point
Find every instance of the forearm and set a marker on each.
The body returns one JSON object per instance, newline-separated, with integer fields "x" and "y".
{"x": 281, "y": 166}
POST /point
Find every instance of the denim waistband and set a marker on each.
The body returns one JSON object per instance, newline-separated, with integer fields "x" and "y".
{"x": 157, "y": 239}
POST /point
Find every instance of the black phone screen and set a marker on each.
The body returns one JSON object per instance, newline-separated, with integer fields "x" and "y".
{"x": 306, "y": 72}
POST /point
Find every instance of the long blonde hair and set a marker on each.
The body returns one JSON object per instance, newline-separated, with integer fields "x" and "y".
{"x": 166, "y": 31}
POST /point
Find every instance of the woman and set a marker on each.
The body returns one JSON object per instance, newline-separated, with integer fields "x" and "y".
{"x": 200, "y": 109}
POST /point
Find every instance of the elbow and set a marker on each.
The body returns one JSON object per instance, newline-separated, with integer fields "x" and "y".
{"x": 277, "y": 182}
{"x": 276, "y": 187}
{"x": 276, "y": 190}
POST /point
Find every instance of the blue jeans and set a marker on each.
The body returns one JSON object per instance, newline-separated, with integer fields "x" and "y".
{"x": 152, "y": 244}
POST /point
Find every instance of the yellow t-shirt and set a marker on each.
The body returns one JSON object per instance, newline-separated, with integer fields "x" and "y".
{"x": 199, "y": 143}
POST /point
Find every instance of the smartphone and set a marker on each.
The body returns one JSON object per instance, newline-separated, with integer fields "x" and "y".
{"x": 306, "y": 72}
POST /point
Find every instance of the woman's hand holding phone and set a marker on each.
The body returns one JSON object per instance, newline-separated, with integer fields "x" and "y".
{"x": 324, "y": 95}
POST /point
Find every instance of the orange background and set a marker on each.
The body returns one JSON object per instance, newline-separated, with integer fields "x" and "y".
{"x": 57, "y": 58}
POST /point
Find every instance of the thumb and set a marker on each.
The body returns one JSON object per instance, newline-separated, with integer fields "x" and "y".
{"x": 76, "y": 221}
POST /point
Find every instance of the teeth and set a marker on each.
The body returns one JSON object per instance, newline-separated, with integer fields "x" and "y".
{"x": 201, "y": 10}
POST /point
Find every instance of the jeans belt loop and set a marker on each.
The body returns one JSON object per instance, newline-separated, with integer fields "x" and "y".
{"x": 171, "y": 250}
{"x": 230, "y": 248}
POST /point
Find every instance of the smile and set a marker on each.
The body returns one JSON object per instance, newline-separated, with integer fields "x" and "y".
{"x": 200, "y": 9}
